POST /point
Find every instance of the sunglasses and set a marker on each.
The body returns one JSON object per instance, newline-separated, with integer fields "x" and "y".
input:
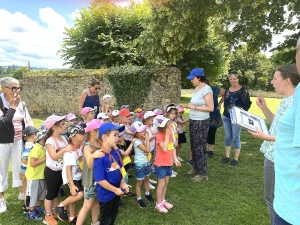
{"x": 14, "y": 89}
{"x": 97, "y": 89}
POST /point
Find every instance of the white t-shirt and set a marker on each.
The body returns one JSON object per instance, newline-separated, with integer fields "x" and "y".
{"x": 152, "y": 142}
{"x": 74, "y": 159}
{"x": 127, "y": 137}
{"x": 199, "y": 100}
{"x": 55, "y": 164}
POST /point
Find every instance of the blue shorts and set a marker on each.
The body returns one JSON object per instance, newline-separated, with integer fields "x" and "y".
{"x": 163, "y": 171}
{"x": 142, "y": 171}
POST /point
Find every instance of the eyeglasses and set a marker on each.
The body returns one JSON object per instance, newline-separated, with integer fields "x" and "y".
{"x": 15, "y": 89}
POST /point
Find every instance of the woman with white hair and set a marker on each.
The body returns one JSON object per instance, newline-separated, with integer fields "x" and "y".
{"x": 13, "y": 118}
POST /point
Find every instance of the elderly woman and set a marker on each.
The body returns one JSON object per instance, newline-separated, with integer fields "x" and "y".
{"x": 200, "y": 106}
{"x": 13, "y": 118}
{"x": 90, "y": 98}
{"x": 236, "y": 95}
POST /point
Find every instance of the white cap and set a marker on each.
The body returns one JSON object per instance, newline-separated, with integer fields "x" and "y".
{"x": 102, "y": 116}
{"x": 149, "y": 114}
{"x": 115, "y": 112}
{"x": 106, "y": 97}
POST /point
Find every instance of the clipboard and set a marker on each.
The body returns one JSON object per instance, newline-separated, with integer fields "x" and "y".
{"x": 247, "y": 120}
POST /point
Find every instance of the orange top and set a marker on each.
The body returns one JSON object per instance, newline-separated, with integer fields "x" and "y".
{"x": 164, "y": 158}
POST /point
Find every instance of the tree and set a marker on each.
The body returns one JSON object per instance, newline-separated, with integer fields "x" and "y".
{"x": 20, "y": 73}
{"x": 8, "y": 70}
{"x": 105, "y": 35}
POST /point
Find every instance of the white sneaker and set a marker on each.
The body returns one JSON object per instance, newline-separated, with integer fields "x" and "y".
{"x": 151, "y": 186}
{"x": 3, "y": 207}
{"x": 21, "y": 196}
{"x": 173, "y": 174}
{"x": 98, "y": 223}
{"x": 180, "y": 159}
{"x": 152, "y": 181}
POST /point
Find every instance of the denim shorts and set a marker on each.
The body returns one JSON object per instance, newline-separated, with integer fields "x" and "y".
{"x": 142, "y": 171}
{"x": 163, "y": 171}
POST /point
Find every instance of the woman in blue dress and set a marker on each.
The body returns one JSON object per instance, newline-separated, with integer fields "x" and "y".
{"x": 90, "y": 98}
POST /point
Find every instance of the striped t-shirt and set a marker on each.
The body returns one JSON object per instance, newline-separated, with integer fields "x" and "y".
{"x": 25, "y": 154}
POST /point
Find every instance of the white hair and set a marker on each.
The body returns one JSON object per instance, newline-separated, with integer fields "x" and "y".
{"x": 5, "y": 81}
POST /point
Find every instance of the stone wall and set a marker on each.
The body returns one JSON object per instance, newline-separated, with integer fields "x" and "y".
{"x": 53, "y": 92}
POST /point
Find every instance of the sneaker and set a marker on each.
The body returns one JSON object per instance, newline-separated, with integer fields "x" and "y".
{"x": 161, "y": 208}
{"x": 199, "y": 178}
{"x": 40, "y": 210}
{"x": 33, "y": 216}
{"x": 191, "y": 172}
{"x": 149, "y": 198}
{"x": 141, "y": 203}
{"x": 174, "y": 172}
{"x": 73, "y": 221}
{"x": 225, "y": 160}
{"x": 3, "y": 206}
{"x": 24, "y": 209}
{"x": 61, "y": 213}
{"x": 151, "y": 186}
{"x": 98, "y": 223}
{"x": 152, "y": 181}
{"x": 50, "y": 221}
{"x": 167, "y": 205}
{"x": 234, "y": 163}
{"x": 180, "y": 159}
{"x": 190, "y": 162}
{"x": 61, "y": 192}
{"x": 173, "y": 175}
{"x": 21, "y": 196}
{"x": 210, "y": 154}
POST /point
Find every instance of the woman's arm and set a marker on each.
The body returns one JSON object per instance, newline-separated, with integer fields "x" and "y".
{"x": 81, "y": 101}
{"x": 56, "y": 155}
{"x": 261, "y": 103}
{"x": 209, "y": 107}
{"x": 261, "y": 135}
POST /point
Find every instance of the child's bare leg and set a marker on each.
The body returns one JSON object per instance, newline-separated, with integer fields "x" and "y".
{"x": 138, "y": 188}
{"x": 159, "y": 190}
{"x": 146, "y": 184}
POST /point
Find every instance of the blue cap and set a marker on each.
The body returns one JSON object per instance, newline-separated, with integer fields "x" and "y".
{"x": 197, "y": 72}
{"x": 104, "y": 128}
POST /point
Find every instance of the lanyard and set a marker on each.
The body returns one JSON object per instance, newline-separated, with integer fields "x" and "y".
{"x": 93, "y": 97}
{"x": 56, "y": 142}
{"x": 111, "y": 157}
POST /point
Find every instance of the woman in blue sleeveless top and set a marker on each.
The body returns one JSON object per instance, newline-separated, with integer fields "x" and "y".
{"x": 90, "y": 98}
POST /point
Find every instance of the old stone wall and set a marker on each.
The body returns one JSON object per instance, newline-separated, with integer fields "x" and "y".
{"x": 46, "y": 93}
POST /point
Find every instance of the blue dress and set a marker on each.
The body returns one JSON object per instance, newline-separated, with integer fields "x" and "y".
{"x": 92, "y": 101}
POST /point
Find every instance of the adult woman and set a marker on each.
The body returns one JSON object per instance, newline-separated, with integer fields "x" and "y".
{"x": 90, "y": 98}
{"x": 215, "y": 120}
{"x": 238, "y": 96}
{"x": 287, "y": 162}
{"x": 285, "y": 80}
{"x": 13, "y": 118}
{"x": 200, "y": 105}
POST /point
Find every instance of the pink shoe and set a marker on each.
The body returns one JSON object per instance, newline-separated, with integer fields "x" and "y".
{"x": 161, "y": 208}
{"x": 167, "y": 204}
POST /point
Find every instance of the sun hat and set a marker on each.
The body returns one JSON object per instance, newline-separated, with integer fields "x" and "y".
{"x": 158, "y": 111}
{"x": 124, "y": 112}
{"x": 28, "y": 131}
{"x": 149, "y": 114}
{"x": 42, "y": 131}
{"x": 160, "y": 121}
{"x": 102, "y": 116}
{"x": 168, "y": 108}
{"x": 71, "y": 116}
{"x": 197, "y": 72}
{"x": 104, "y": 128}
{"x": 137, "y": 127}
{"x": 86, "y": 110}
{"x": 93, "y": 124}
{"x": 73, "y": 130}
{"x": 179, "y": 109}
{"x": 138, "y": 110}
{"x": 115, "y": 112}
{"x": 106, "y": 97}
{"x": 131, "y": 113}
{"x": 51, "y": 120}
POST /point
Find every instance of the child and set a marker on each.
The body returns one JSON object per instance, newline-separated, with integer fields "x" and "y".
{"x": 87, "y": 114}
{"x": 124, "y": 116}
{"x": 90, "y": 150}
{"x": 115, "y": 117}
{"x": 56, "y": 146}
{"x": 148, "y": 121}
{"x": 72, "y": 173}
{"x": 163, "y": 162}
{"x": 171, "y": 114}
{"x": 141, "y": 163}
{"x": 181, "y": 132}
{"x": 36, "y": 186}
{"x": 29, "y": 134}
{"x": 103, "y": 117}
{"x": 71, "y": 118}
{"x": 108, "y": 175}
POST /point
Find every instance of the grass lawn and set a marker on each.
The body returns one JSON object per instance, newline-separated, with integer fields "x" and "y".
{"x": 230, "y": 196}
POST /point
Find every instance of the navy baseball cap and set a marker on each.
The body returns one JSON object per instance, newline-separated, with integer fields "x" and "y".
{"x": 197, "y": 72}
{"x": 104, "y": 128}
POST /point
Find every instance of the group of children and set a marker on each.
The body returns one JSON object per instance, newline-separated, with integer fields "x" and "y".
{"x": 92, "y": 158}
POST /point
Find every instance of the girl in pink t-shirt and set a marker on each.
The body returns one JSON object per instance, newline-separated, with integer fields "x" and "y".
{"x": 165, "y": 150}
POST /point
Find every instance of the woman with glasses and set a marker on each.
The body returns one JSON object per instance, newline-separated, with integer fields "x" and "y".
{"x": 14, "y": 117}
{"x": 90, "y": 98}
{"x": 236, "y": 95}
{"x": 200, "y": 106}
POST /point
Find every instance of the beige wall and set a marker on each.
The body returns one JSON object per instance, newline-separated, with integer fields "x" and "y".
{"x": 58, "y": 93}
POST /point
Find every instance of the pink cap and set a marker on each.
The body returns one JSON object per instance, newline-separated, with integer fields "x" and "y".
{"x": 86, "y": 110}
{"x": 180, "y": 109}
{"x": 70, "y": 116}
{"x": 137, "y": 127}
{"x": 93, "y": 124}
{"x": 51, "y": 120}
